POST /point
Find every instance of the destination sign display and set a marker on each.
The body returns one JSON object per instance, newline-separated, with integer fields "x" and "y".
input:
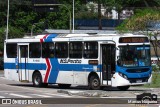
{"x": 133, "y": 40}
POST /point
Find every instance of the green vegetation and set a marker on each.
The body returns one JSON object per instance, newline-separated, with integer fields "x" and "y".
{"x": 22, "y": 18}
{"x": 155, "y": 78}
{"x": 155, "y": 81}
{"x": 138, "y": 22}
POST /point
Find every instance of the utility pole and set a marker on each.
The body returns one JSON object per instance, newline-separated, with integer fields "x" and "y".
{"x": 99, "y": 16}
{"x": 73, "y": 18}
{"x": 7, "y": 21}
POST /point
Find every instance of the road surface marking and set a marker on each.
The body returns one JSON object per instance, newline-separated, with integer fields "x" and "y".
{"x": 94, "y": 105}
{"x": 2, "y": 97}
{"x": 27, "y": 88}
{"x": 60, "y": 95}
{"x": 18, "y": 95}
{"x": 42, "y": 95}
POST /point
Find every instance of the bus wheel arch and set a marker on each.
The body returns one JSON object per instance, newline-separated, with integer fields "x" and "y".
{"x": 93, "y": 81}
{"x": 37, "y": 79}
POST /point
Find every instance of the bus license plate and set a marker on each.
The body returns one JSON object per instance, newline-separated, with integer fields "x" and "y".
{"x": 139, "y": 81}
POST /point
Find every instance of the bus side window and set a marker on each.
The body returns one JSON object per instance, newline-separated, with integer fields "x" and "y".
{"x": 61, "y": 50}
{"x": 34, "y": 50}
{"x": 11, "y": 50}
{"x": 75, "y": 49}
{"x": 90, "y": 50}
{"x": 48, "y": 50}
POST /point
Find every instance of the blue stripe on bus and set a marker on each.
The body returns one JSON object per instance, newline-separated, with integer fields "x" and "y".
{"x": 61, "y": 67}
{"x": 56, "y": 67}
{"x": 49, "y": 37}
{"x": 30, "y": 66}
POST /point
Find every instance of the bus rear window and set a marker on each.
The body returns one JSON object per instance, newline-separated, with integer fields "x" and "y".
{"x": 11, "y": 50}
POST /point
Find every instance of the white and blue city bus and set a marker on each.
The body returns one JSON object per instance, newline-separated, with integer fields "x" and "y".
{"x": 93, "y": 60}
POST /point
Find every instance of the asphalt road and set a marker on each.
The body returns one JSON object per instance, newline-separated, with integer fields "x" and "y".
{"x": 25, "y": 95}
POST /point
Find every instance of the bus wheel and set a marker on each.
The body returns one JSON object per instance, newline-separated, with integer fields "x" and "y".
{"x": 94, "y": 83}
{"x": 123, "y": 88}
{"x": 37, "y": 80}
{"x": 64, "y": 86}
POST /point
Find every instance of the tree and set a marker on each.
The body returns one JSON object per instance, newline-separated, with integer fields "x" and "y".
{"x": 139, "y": 20}
{"x": 117, "y": 5}
{"x": 120, "y": 5}
{"x": 23, "y": 18}
{"x": 13, "y": 33}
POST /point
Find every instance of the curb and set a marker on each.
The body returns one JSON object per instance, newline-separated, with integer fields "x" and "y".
{"x": 84, "y": 93}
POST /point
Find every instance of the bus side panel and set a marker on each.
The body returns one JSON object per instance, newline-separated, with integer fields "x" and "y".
{"x": 68, "y": 73}
{"x": 10, "y": 71}
{"x": 11, "y": 74}
{"x": 57, "y": 72}
{"x": 52, "y": 70}
{"x": 73, "y": 77}
{"x": 65, "y": 77}
{"x": 81, "y": 78}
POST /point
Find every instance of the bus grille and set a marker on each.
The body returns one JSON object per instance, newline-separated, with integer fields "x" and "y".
{"x": 137, "y": 70}
{"x": 136, "y": 80}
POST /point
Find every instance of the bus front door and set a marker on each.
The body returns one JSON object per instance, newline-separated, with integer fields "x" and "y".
{"x": 22, "y": 63}
{"x": 108, "y": 62}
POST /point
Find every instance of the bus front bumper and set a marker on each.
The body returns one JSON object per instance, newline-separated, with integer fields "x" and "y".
{"x": 118, "y": 80}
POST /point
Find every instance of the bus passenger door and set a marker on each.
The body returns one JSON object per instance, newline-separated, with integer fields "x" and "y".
{"x": 22, "y": 63}
{"x": 108, "y": 62}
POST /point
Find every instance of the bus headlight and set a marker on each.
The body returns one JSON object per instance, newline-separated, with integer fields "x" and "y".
{"x": 125, "y": 76}
{"x": 122, "y": 75}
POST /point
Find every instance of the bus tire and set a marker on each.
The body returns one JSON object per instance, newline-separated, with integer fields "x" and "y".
{"x": 123, "y": 88}
{"x": 94, "y": 83}
{"x": 64, "y": 86}
{"x": 37, "y": 80}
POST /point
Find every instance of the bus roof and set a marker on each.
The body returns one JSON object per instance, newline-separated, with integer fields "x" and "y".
{"x": 67, "y": 37}
{"x": 77, "y": 35}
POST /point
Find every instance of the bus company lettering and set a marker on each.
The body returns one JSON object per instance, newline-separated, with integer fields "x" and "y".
{"x": 70, "y": 61}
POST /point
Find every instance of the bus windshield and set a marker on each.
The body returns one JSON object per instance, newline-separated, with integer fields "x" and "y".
{"x": 131, "y": 56}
